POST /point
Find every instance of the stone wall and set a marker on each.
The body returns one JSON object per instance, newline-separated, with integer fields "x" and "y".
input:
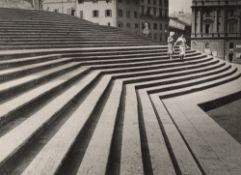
{"x": 23, "y": 4}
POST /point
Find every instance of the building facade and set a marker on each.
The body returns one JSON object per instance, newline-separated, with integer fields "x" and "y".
{"x": 22, "y": 4}
{"x": 216, "y": 27}
{"x": 126, "y": 14}
{"x": 180, "y": 28}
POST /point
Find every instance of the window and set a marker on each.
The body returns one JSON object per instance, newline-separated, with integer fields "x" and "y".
{"x": 166, "y": 13}
{"x": 155, "y": 36}
{"x": 72, "y": 12}
{"x": 154, "y": 12}
{"x": 231, "y": 13}
{"x": 128, "y": 25}
{"x": 160, "y": 13}
{"x": 142, "y": 10}
{"x": 81, "y": 14}
{"x": 80, "y": 1}
{"x": 95, "y": 13}
{"x": 233, "y": 26}
{"x": 160, "y": 2}
{"x": 231, "y": 46}
{"x": 155, "y": 26}
{"x": 120, "y": 24}
{"x": 161, "y": 37}
{"x": 135, "y": 14}
{"x": 207, "y": 45}
{"x": 160, "y": 26}
{"x": 108, "y": 1}
{"x": 207, "y": 28}
{"x": 208, "y": 14}
{"x": 128, "y": 14}
{"x": 120, "y": 13}
{"x": 148, "y": 11}
{"x": 136, "y": 26}
{"x": 108, "y": 13}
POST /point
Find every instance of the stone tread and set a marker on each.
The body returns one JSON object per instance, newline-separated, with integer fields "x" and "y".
{"x": 131, "y": 64}
{"x": 217, "y": 156}
{"x": 16, "y": 138}
{"x": 153, "y": 65}
{"x": 146, "y": 80}
{"x": 48, "y": 161}
{"x": 129, "y": 75}
{"x": 22, "y": 60}
{"x": 26, "y": 97}
{"x": 203, "y": 152}
{"x": 95, "y": 159}
{"x": 85, "y": 49}
{"x": 131, "y": 155}
{"x": 123, "y": 58}
{"x": 184, "y": 158}
{"x": 188, "y": 79}
{"x": 210, "y": 81}
{"x": 34, "y": 77}
{"x": 148, "y": 68}
{"x": 160, "y": 158}
{"x": 24, "y": 68}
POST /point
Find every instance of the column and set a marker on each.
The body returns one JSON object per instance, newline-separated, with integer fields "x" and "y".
{"x": 194, "y": 18}
{"x": 216, "y": 20}
{"x": 201, "y": 21}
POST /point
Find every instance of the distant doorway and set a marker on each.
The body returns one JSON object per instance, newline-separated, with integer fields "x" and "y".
{"x": 207, "y": 28}
{"x": 72, "y": 12}
{"x": 230, "y": 56}
{"x": 231, "y": 46}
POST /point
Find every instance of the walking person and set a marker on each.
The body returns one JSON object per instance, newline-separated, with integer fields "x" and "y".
{"x": 181, "y": 41}
{"x": 170, "y": 42}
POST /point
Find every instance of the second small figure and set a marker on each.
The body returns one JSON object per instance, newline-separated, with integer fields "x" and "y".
{"x": 181, "y": 41}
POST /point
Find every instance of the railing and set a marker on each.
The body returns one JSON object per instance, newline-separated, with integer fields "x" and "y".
{"x": 216, "y": 35}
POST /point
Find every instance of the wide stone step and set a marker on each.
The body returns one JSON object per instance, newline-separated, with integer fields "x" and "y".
{"x": 182, "y": 88}
{"x": 70, "y": 130}
{"x": 184, "y": 160}
{"x": 132, "y": 75}
{"x": 179, "y": 77}
{"x": 131, "y": 155}
{"x": 9, "y": 108}
{"x": 111, "y": 68}
{"x": 14, "y": 140}
{"x": 96, "y": 156}
{"x": 13, "y": 73}
{"x": 15, "y": 87}
{"x": 128, "y": 57}
{"x": 14, "y": 62}
{"x": 67, "y": 45}
{"x": 146, "y": 79}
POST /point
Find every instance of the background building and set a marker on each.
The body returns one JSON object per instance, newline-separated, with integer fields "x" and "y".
{"x": 22, "y": 4}
{"x": 155, "y": 12}
{"x": 127, "y": 14}
{"x": 216, "y": 27}
{"x": 180, "y": 23}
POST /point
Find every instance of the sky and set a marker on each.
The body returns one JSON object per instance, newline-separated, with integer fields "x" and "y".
{"x": 178, "y": 5}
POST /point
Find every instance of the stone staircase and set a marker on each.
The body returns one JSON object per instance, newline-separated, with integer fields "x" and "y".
{"x": 93, "y": 111}
{"x": 106, "y": 110}
{"x": 27, "y": 29}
